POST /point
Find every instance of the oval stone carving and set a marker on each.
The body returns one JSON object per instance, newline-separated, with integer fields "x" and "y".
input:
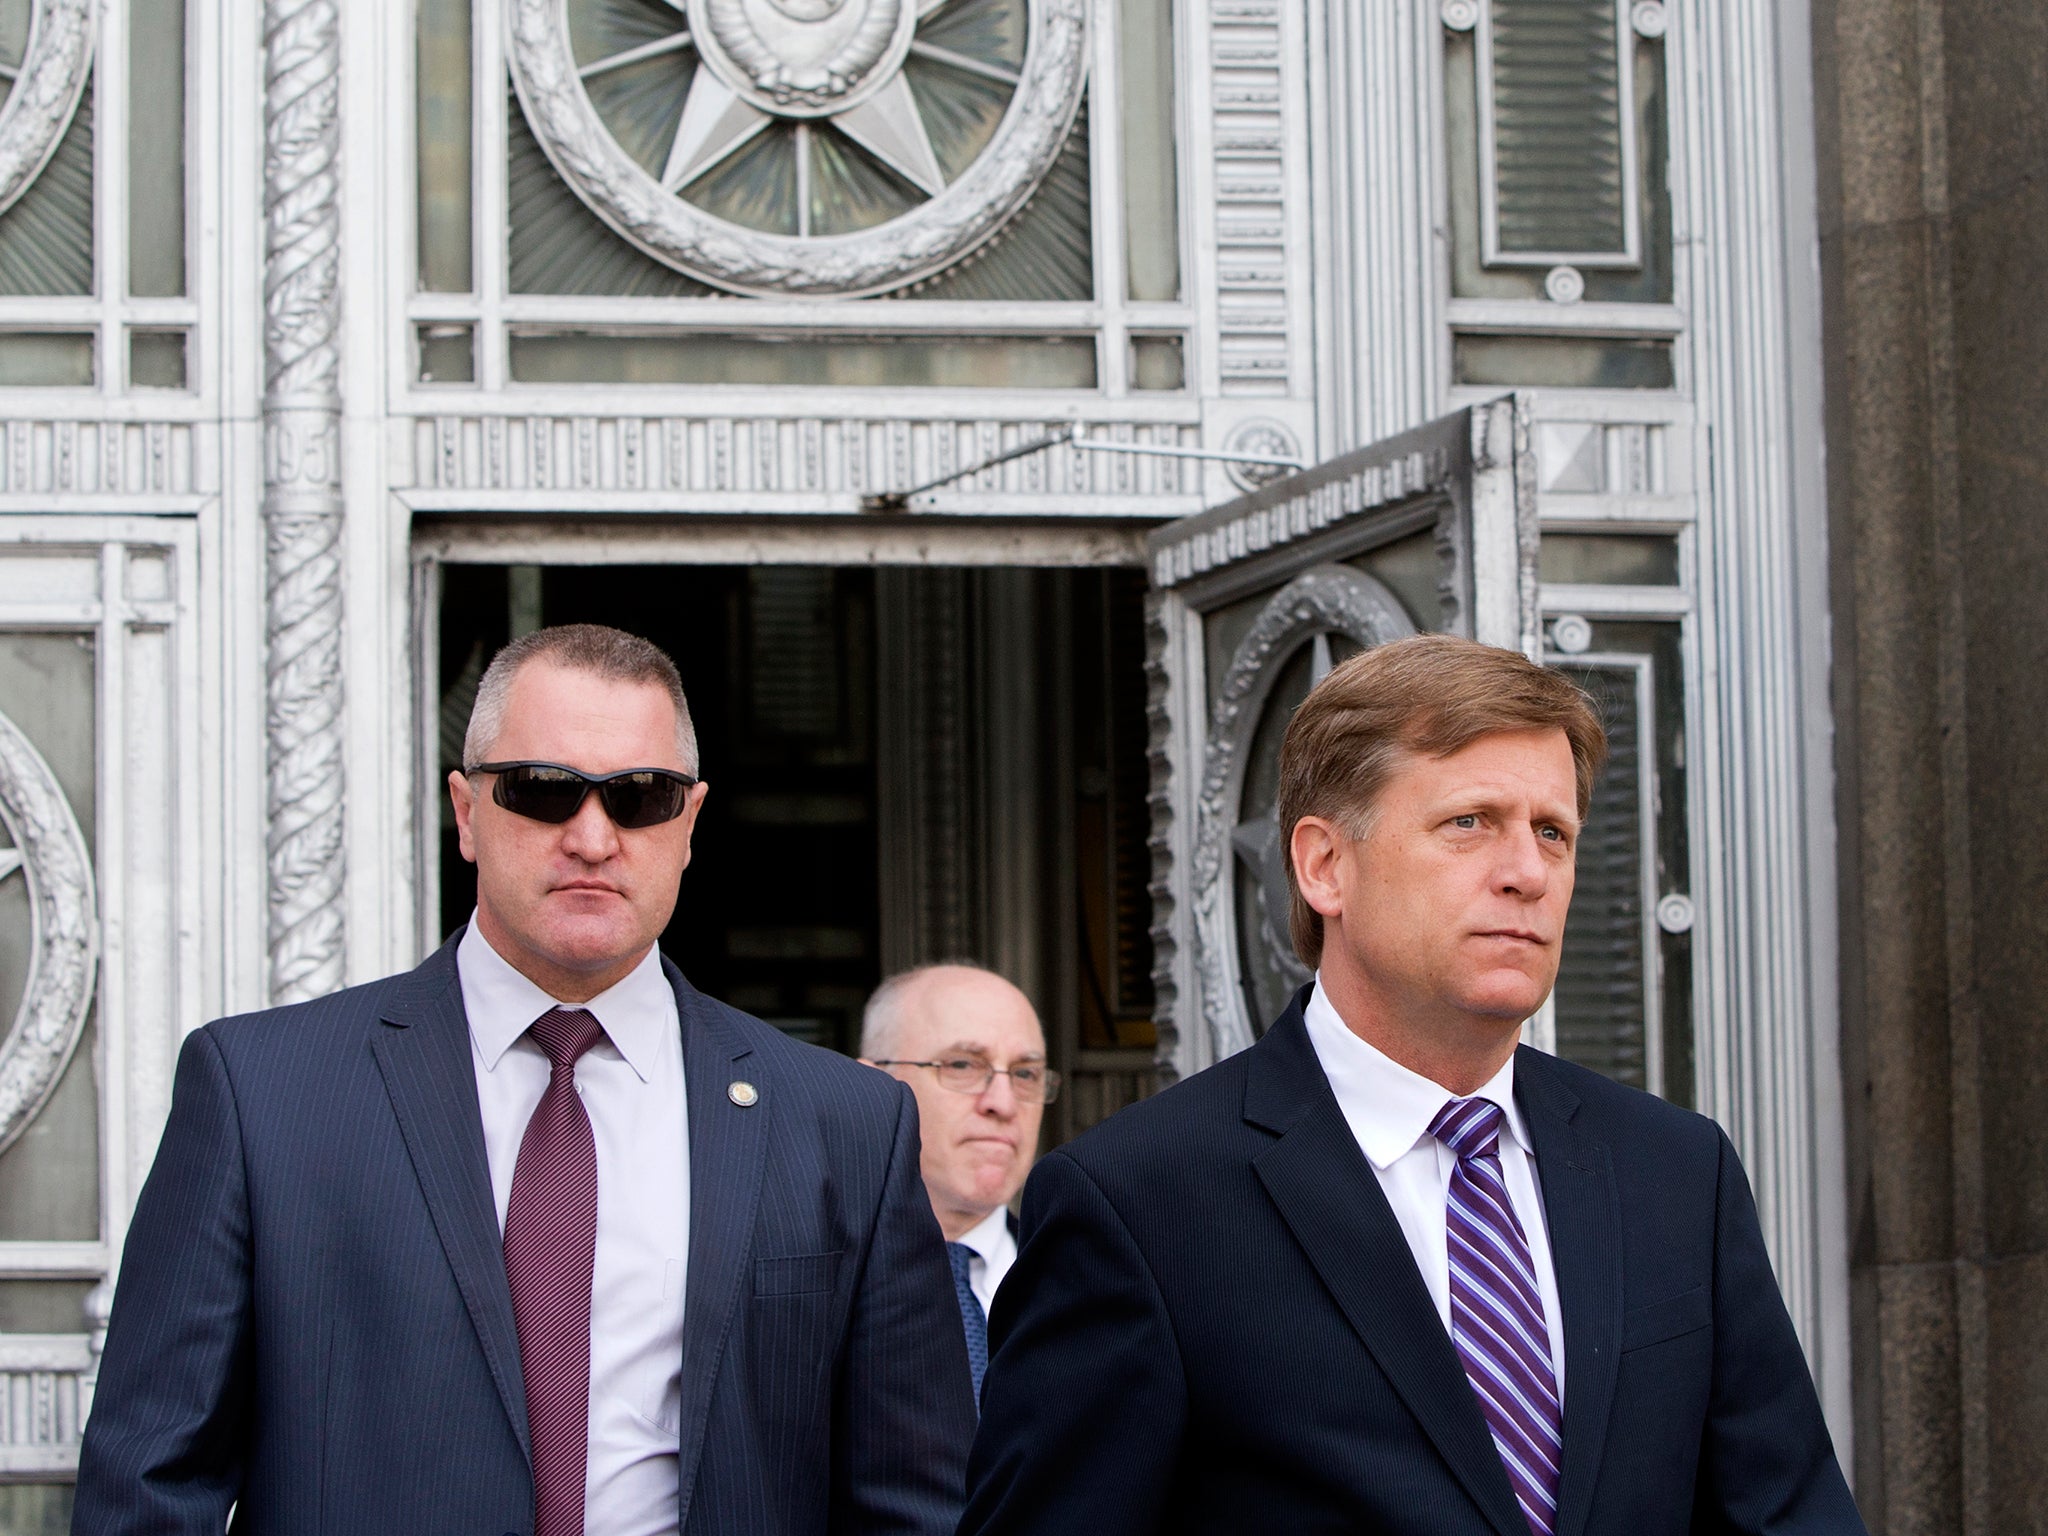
{"x": 45, "y": 91}
{"x": 49, "y": 850}
{"x": 1326, "y": 600}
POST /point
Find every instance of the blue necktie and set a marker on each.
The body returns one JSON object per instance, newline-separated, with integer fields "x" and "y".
{"x": 970, "y": 1314}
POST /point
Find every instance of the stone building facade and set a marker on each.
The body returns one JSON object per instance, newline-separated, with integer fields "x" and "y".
{"x": 1005, "y": 409}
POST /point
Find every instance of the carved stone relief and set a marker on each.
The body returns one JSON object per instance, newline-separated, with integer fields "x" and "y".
{"x": 762, "y": 65}
{"x": 45, "y": 91}
{"x": 302, "y": 505}
{"x": 805, "y": 454}
{"x": 1235, "y": 843}
{"x": 49, "y": 852}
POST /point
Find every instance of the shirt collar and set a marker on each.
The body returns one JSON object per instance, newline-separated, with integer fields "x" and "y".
{"x": 1389, "y": 1107}
{"x": 986, "y": 1235}
{"x": 636, "y": 1011}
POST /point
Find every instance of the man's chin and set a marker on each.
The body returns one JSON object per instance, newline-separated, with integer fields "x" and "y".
{"x": 1507, "y": 1002}
{"x": 592, "y": 944}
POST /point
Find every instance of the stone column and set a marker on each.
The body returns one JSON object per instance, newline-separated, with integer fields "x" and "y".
{"x": 302, "y": 506}
{"x": 1934, "y": 194}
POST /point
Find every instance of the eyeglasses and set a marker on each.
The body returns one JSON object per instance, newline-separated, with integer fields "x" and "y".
{"x": 633, "y": 797}
{"x": 1031, "y": 1082}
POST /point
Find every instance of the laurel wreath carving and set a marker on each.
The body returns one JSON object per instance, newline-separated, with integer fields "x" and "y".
{"x": 46, "y": 92}
{"x": 64, "y": 919}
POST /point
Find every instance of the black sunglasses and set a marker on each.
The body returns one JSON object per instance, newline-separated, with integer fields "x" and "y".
{"x": 633, "y": 797}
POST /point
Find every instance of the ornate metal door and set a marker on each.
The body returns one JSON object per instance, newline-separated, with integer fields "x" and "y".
{"x": 1254, "y": 601}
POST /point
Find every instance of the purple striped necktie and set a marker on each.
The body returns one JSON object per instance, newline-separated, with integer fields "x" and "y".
{"x": 550, "y": 1252}
{"x": 1497, "y": 1312}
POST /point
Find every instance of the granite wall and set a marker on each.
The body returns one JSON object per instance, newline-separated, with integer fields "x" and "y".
{"x": 1933, "y": 135}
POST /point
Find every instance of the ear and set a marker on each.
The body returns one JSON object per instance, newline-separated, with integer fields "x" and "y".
{"x": 1318, "y": 849}
{"x": 693, "y": 803}
{"x": 462, "y": 795}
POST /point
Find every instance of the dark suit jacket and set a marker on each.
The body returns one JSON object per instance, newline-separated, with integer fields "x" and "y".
{"x": 313, "y": 1322}
{"x": 1216, "y": 1325}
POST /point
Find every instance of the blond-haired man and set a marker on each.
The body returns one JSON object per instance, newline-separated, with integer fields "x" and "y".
{"x": 1385, "y": 1271}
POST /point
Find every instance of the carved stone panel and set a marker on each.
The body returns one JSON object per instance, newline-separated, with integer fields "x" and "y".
{"x": 811, "y": 104}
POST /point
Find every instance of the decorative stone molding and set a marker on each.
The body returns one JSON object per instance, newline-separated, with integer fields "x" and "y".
{"x": 302, "y": 505}
{"x": 805, "y": 454}
{"x": 104, "y": 458}
{"x": 951, "y": 225}
{"x": 1250, "y": 143}
{"x": 44, "y": 1398}
{"x": 49, "y": 850}
{"x": 46, "y": 91}
{"x": 1162, "y": 750}
{"x": 1301, "y": 505}
{"x": 1328, "y": 599}
{"x": 1260, "y": 435}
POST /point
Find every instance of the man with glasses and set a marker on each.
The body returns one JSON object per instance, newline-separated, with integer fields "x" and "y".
{"x": 970, "y": 1046}
{"x": 536, "y": 1238}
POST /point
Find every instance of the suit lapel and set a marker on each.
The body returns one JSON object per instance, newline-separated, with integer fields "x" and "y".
{"x": 1331, "y": 1199}
{"x": 1583, "y": 1212}
{"x": 728, "y": 1143}
{"x": 423, "y": 1053}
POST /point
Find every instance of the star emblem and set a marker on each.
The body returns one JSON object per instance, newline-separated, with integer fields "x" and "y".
{"x": 801, "y": 67}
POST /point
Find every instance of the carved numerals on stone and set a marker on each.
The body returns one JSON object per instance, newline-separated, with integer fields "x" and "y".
{"x": 302, "y": 451}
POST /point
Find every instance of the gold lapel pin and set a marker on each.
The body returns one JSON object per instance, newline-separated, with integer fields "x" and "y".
{"x": 744, "y": 1094}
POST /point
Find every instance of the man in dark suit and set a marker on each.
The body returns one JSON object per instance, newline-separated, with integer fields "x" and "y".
{"x": 1384, "y": 1271}
{"x": 969, "y": 1044}
{"x": 536, "y": 1238}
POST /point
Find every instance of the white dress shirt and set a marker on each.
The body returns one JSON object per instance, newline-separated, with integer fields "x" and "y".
{"x": 632, "y": 1088}
{"x": 994, "y": 1252}
{"x": 1389, "y": 1109}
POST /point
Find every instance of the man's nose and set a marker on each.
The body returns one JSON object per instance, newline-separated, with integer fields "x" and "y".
{"x": 1523, "y": 868}
{"x": 590, "y": 834}
{"x": 999, "y": 1098}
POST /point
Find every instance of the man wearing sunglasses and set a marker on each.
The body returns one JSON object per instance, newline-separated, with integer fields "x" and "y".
{"x": 536, "y": 1238}
{"x": 969, "y": 1045}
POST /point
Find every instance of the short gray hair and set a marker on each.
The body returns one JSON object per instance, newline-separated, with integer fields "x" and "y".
{"x": 883, "y": 1016}
{"x": 598, "y": 649}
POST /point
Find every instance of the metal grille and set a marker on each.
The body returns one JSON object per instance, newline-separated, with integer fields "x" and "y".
{"x": 1561, "y": 154}
{"x": 1602, "y": 1000}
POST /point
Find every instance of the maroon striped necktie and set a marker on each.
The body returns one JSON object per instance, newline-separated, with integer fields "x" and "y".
{"x": 1497, "y": 1318}
{"x": 550, "y": 1248}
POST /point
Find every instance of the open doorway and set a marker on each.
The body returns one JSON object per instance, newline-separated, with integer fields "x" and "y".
{"x": 906, "y": 764}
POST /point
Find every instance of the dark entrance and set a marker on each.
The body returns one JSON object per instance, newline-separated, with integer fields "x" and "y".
{"x": 905, "y": 765}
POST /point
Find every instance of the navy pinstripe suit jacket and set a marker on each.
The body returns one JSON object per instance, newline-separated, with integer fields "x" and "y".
{"x": 1215, "y": 1325}
{"x": 313, "y": 1326}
